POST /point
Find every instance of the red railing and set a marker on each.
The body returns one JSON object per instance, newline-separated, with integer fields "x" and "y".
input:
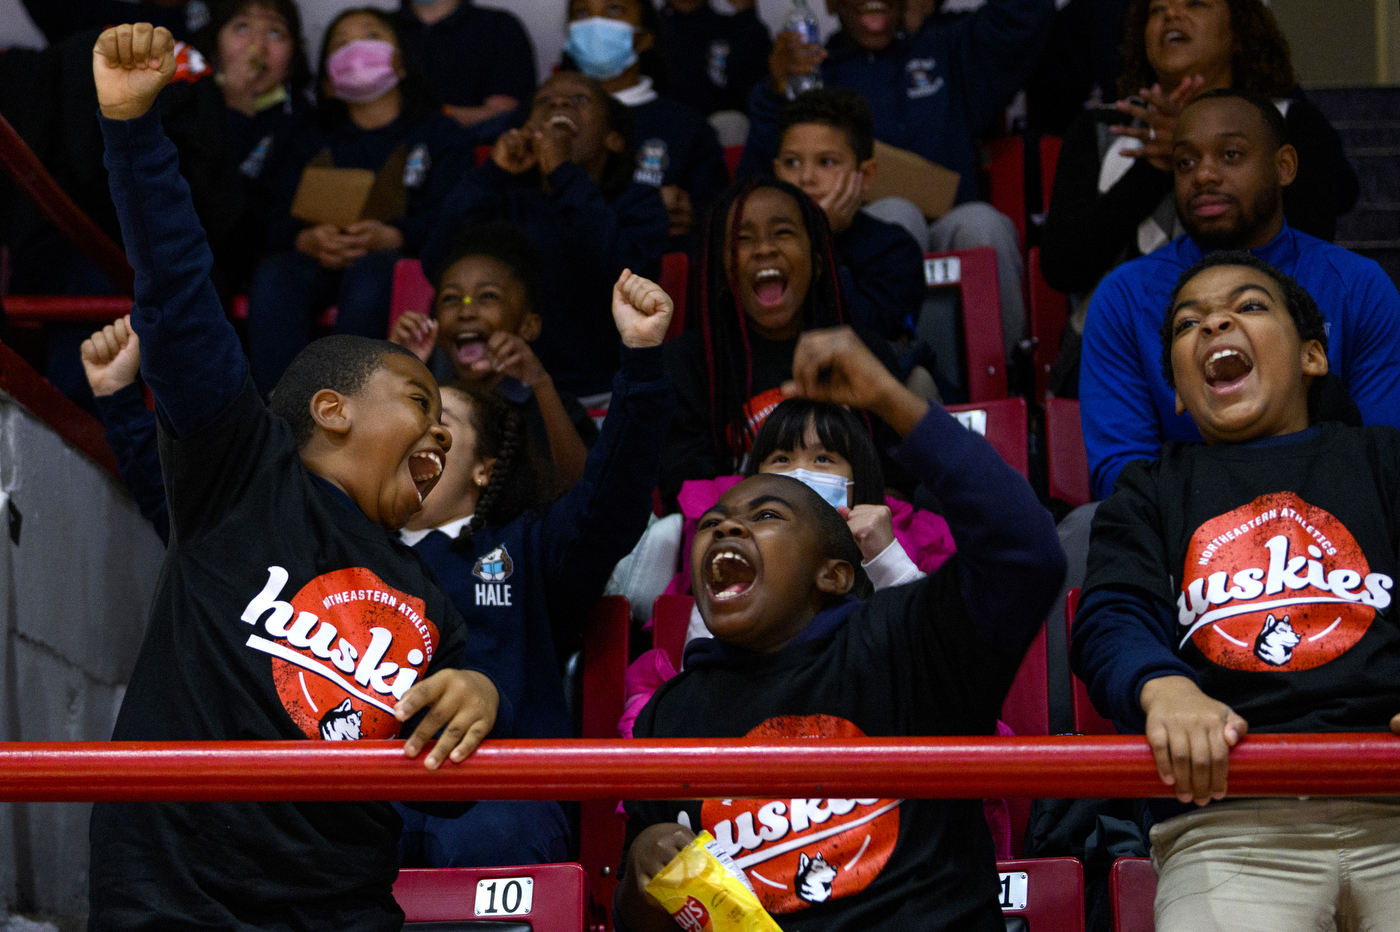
{"x": 1272, "y": 765}
{"x": 28, "y": 309}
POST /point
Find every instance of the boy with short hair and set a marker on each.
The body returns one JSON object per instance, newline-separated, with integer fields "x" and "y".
{"x": 827, "y": 148}
{"x": 794, "y": 655}
{"x": 1246, "y": 583}
{"x": 285, "y": 610}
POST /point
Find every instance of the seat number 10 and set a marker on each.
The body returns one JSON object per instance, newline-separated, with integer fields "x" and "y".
{"x": 504, "y": 896}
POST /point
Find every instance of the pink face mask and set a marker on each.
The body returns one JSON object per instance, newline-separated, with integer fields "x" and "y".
{"x": 362, "y": 70}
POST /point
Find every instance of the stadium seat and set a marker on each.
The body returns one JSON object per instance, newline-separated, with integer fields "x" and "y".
{"x": 602, "y": 830}
{"x": 538, "y": 897}
{"x": 1026, "y": 711}
{"x": 974, "y": 273}
{"x": 1048, "y": 893}
{"x": 1132, "y": 887}
{"x": 1066, "y": 459}
{"x": 1003, "y": 423}
{"x": 670, "y": 617}
{"x": 412, "y": 290}
{"x": 1049, "y": 314}
{"x": 1087, "y": 720}
{"x": 675, "y": 281}
{"x": 732, "y": 155}
{"x": 1006, "y": 175}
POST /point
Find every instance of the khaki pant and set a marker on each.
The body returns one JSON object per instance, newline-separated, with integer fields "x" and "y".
{"x": 1280, "y": 865}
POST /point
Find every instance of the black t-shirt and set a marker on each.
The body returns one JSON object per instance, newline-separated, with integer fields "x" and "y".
{"x": 1279, "y": 561}
{"x": 282, "y": 613}
{"x": 907, "y": 662}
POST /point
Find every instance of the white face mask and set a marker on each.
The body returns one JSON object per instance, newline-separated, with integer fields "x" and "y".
{"x": 834, "y": 490}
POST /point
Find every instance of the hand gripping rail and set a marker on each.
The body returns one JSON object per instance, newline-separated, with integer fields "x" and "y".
{"x": 1263, "y": 765}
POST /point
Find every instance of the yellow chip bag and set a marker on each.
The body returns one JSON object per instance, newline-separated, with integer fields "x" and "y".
{"x": 704, "y": 891}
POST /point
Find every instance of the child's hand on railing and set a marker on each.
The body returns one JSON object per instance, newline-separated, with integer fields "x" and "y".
{"x": 112, "y": 357}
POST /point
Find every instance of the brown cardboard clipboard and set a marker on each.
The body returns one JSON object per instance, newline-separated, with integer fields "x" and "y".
{"x": 332, "y": 195}
{"x": 911, "y": 176}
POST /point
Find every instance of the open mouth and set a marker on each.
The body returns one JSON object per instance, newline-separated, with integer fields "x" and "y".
{"x": 560, "y": 119}
{"x": 1226, "y": 369}
{"x": 425, "y": 467}
{"x": 770, "y": 287}
{"x": 470, "y": 347}
{"x": 1175, "y": 37}
{"x": 875, "y": 16}
{"x": 729, "y": 576}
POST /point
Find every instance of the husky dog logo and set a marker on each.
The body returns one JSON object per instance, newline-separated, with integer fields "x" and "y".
{"x": 494, "y": 566}
{"x": 341, "y": 724}
{"x": 814, "y": 877}
{"x": 1275, "y": 643}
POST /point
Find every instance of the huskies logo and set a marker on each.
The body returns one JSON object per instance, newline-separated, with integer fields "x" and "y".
{"x": 797, "y": 852}
{"x": 922, "y": 83}
{"x": 494, "y": 566}
{"x": 1277, "y": 585}
{"x": 344, "y": 650}
{"x": 653, "y": 159}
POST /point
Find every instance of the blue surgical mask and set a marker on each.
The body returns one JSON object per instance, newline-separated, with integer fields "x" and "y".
{"x": 601, "y": 47}
{"x": 832, "y": 489}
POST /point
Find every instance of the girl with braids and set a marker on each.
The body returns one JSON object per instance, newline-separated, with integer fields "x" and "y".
{"x": 524, "y": 576}
{"x": 767, "y": 272}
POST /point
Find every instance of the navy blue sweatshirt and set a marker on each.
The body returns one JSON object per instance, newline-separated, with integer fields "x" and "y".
{"x": 676, "y": 145}
{"x": 527, "y": 588}
{"x": 472, "y": 53}
{"x": 438, "y": 148}
{"x": 936, "y": 657}
{"x": 130, "y": 429}
{"x": 887, "y": 274}
{"x": 932, "y": 93}
{"x": 713, "y": 60}
{"x": 588, "y": 238}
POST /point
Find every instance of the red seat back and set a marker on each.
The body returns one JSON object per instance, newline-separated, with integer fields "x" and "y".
{"x": 548, "y": 896}
{"x": 675, "y": 281}
{"x": 1132, "y": 885}
{"x": 974, "y": 273}
{"x": 412, "y": 290}
{"x": 1049, "y": 314}
{"x": 1066, "y": 458}
{"x": 1087, "y": 720}
{"x": 670, "y": 617}
{"x": 601, "y": 830}
{"x": 732, "y": 155}
{"x": 1005, "y": 428}
{"x": 1006, "y": 171}
{"x": 1048, "y": 892}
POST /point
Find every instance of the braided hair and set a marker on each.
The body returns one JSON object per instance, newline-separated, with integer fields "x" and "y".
{"x": 723, "y": 324}
{"x": 516, "y": 484}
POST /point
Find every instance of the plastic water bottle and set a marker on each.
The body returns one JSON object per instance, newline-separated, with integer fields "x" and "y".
{"x": 801, "y": 21}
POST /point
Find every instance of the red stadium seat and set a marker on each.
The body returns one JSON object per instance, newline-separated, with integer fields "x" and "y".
{"x": 1066, "y": 458}
{"x": 1006, "y": 171}
{"x": 675, "y": 280}
{"x": 1087, "y": 720}
{"x": 412, "y": 290}
{"x": 1049, "y": 161}
{"x": 1132, "y": 886}
{"x": 601, "y": 830}
{"x": 541, "y": 897}
{"x": 1049, "y": 314}
{"x": 1047, "y": 892}
{"x": 732, "y": 155}
{"x": 670, "y": 617}
{"x": 326, "y": 321}
{"x": 1026, "y": 711}
{"x": 974, "y": 273}
{"x": 1003, "y": 423}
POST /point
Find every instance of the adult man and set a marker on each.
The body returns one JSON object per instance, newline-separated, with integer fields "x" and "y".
{"x": 1232, "y": 162}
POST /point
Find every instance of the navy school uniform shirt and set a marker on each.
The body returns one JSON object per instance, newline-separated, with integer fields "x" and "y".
{"x": 933, "y": 658}
{"x": 886, "y": 268}
{"x": 437, "y": 151}
{"x": 675, "y": 145}
{"x": 713, "y": 60}
{"x": 282, "y": 613}
{"x": 932, "y": 93}
{"x": 588, "y": 237}
{"x": 472, "y": 53}
{"x": 527, "y": 588}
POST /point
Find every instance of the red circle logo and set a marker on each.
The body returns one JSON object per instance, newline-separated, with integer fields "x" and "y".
{"x": 1277, "y": 584}
{"x": 693, "y": 916}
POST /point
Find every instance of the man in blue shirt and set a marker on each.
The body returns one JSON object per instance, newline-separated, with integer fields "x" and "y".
{"x": 1231, "y": 165}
